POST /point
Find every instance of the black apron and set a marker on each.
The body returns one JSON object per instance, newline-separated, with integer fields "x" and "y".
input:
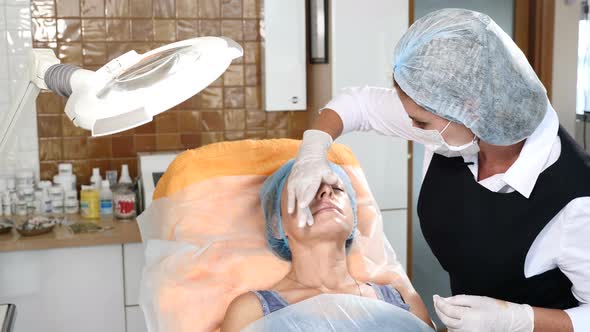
{"x": 481, "y": 238}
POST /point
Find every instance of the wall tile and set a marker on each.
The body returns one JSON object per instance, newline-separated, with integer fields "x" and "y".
{"x": 187, "y": 9}
{"x": 49, "y": 125}
{"x": 192, "y": 103}
{"x": 123, "y": 146}
{"x": 92, "y": 8}
{"x": 102, "y": 164}
{"x": 82, "y": 170}
{"x": 298, "y": 120}
{"x": 94, "y": 54}
{"x": 189, "y": 121}
{"x": 190, "y": 141}
{"x": 70, "y": 53}
{"x": 118, "y": 30}
{"x": 256, "y": 134}
{"x": 209, "y": 8}
{"x": 75, "y": 148}
{"x": 167, "y": 122}
{"x": 234, "y": 76}
{"x": 277, "y": 120}
{"x": 44, "y": 29}
{"x": 250, "y": 9}
{"x": 50, "y": 149}
{"x": 251, "y": 74}
{"x": 277, "y": 133}
{"x": 70, "y": 130}
{"x": 142, "y": 30}
{"x": 212, "y": 98}
{"x": 141, "y": 8}
{"x": 47, "y": 169}
{"x": 145, "y": 143}
{"x": 251, "y": 30}
{"x": 94, "y": 30}
{"x": 234, "y": 135}
{"x": 117, "y": 8}
{"x": 49, "y": 102}
{"x": 99, "y": 147}
{"x": 68, "y": 30}
{"x": 252, "y": 99}
{"x": 42, "y": 8}
{"x": 232, "y": 29}
{"x": 212, "y": 121}
{"x": 165, "y": 30}
{"x": 68, "y": 8}
{"x": 255, "y": 119}
{"x": 231, "y": 8}
{"x": 164, "y": 9}
{"x": 148, "y": 128}
{"x": 233, "y": 97}
{"x": 187, "y": 29}
{"x": 130, "y": 162}
{"x": 251, "y": 52}
{"x": 235, "y": 119}
{"x": 167, "y": 142}
{"x": 211, "y": 137}
{"x": 209, "y": 27}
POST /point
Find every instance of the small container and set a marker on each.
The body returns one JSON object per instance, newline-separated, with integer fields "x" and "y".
{"x": 89, "y": 203}
{"x": 31, "y": 208}
{"x": 25, "y": 177}
{"x": 21, "y": 208}
{"x": 46, "y": 202}
{"x": 11, "y": 184}
{"x": 71, "y": 206}
{"x": 112, "y": 177}
{"x": 95, "y": 179}
{"x": 106, "y": 199}
{"x": 71, "y": 195}
{"x": 66, "y": 181}
{"x": 57, "y": 206}
{"x": 65, "y": 169}
{"x": 125, "y": 178}
{"x": 28, "y": 194}
{"x": 124, "y": 202}
{"x": 38, "y": 201}
{"x": 56, "y": 193}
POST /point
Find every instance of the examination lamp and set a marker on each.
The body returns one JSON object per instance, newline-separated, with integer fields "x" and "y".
{"x": 129, "y": 90}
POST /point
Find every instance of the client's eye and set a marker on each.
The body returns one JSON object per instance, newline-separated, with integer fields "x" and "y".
{"x": 338, "y": 189}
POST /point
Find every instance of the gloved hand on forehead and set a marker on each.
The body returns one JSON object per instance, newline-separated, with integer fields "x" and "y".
{"x": 310, "y": 170}
{"x": 460, "y": 65}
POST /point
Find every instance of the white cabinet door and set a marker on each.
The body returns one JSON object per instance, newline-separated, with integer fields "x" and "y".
{"x": 135, "y": 320}
{"x": 395, "y": 226}
{"x": 133, "y": 264}
{"x": 63, "y": 290}
{"x": 384, "y": 161}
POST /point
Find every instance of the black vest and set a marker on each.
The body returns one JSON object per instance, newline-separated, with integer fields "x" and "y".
{"x": 481, "y": 238}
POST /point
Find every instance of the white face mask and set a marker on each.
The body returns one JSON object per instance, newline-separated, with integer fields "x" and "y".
{"x": 434, "y": 141}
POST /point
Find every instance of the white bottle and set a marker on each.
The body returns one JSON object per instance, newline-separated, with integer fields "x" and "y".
{"x": 96, "y": 179}
{"x": 106, "y": 199}
{"x": 125, "y": 178}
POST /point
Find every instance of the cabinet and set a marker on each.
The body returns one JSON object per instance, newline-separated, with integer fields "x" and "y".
{"x": 62, "y": 290}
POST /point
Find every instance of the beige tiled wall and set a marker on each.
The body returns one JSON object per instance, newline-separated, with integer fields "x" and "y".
{"x": 89, "y": 33}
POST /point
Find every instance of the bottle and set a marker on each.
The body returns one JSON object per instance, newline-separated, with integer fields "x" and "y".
{"x": 89, "y": 203}
{"x": 124, "y": 202}
{"x": 106, "y": 199}
{"x": 125, "y": 178}
{"x": 95, "y": 179}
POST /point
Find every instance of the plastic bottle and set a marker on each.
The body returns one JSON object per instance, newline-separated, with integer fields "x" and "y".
{"x": 96, "y": 179}
{"x": 125, "y": 178}
{"x": 106, "y": 199}
{"x": 89, "y": 203}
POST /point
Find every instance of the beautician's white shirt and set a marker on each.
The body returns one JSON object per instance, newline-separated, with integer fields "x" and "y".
{"x": 565, "y": 240}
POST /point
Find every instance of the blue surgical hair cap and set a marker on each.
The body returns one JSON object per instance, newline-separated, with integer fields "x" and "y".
{"x": 270, "y": 198}
{"x": 460, "y": 65}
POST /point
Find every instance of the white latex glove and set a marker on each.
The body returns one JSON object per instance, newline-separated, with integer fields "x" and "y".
{"x": 462, "y": 313}
{"x": 310, "y": 170}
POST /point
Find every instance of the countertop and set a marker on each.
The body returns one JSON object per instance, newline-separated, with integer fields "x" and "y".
{"x": 61, "y": 236}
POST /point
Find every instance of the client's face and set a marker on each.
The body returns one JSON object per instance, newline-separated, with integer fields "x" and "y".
{"x": 332, "y": 213}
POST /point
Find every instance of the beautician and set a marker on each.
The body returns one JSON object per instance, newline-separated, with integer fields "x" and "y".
{"x": 505, "y": 201}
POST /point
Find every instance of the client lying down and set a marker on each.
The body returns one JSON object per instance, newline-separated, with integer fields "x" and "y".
{"x": 318, "y": 256}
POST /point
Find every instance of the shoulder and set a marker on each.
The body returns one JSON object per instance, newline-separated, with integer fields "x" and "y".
{"x": 242, "y": 311}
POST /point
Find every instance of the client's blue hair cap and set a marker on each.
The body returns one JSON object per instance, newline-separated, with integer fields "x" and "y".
{"x": 270, "y": 198}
